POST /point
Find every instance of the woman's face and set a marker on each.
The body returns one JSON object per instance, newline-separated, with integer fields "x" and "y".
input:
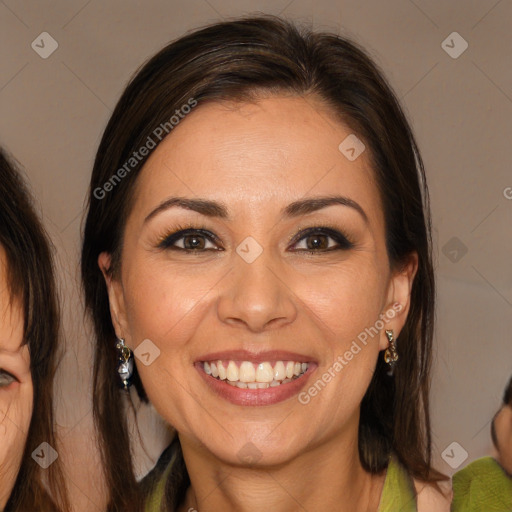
{"x": 16, "y": 392}
{"x": 247, "y": 293}
{"x": 503, "y": 429}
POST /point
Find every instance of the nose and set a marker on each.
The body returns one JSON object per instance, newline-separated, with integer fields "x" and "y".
{"x": 256, "y": 296}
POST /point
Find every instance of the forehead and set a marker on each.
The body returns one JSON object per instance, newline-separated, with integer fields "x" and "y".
{"x": 11, "y": 314}
{"x": 267, "y": 152}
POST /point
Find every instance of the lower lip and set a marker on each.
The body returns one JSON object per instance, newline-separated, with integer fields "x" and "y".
{"x": 267, "y": 396}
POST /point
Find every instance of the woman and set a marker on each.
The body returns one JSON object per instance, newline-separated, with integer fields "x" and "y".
{"x": 259, "y": 213}
{"x": 486, "y": 483}
{"x": 30, "y": 477}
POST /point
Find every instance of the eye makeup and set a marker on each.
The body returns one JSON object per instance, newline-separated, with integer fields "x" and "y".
{"x": 203, "y": 236}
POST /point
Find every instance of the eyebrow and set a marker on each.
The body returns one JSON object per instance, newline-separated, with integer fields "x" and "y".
{"x": 216, "y": 209}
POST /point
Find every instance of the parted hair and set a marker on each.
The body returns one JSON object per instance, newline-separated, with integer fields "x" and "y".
{"x": 240, "y": 60}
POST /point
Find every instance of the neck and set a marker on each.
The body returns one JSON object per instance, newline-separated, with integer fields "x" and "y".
{"x": 327, "y": 477}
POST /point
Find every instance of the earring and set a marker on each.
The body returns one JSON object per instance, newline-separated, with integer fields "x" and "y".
{"x": 391, "y": 355}
{"x": 125, "y": 363}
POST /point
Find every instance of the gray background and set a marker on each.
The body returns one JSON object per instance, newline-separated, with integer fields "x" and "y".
{"x": 53, "y": 112}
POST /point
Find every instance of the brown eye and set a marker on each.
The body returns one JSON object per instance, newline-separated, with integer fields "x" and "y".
{"x": 321, "y": 240}
{"x": 191, "y": 240}
{"x": 317, "y": 242}
{"x": 194, "y": 242}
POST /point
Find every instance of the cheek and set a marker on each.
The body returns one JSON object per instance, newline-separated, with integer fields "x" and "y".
{"x": 161, "y": 302}
{"x": 167, "y": 308}
{"x": 16, "y": 403}
{"x": 503, "y": 426}
{"x": 346, "y": 306}
{"x": 347, "y": 300}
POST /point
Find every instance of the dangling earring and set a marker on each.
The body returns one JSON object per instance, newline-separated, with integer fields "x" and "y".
{"x": 125, "y": 363}
{"x": 391, "y": 355}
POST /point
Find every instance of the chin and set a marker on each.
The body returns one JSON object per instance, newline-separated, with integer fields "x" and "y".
{"x": 245, "y": 453}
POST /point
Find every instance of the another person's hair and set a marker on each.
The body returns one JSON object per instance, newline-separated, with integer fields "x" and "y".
{"x": 507, "y": 394}
{"x": 30, "y": 276}
{"x": 506, "y": 402}
{"x": 243, "y": 60}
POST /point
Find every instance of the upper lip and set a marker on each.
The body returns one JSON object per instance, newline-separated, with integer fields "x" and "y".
{"x": 256, "y": 357}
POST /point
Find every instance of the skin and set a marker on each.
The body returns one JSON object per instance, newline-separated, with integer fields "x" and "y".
{"x": 503, "y": 428}
{"x": 257, "y": 158}
{"x": 16, "y": 391}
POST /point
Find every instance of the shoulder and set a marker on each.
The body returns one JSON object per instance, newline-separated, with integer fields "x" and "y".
{"x": 482, "y": 485}
{"x": 479, "y": 467}
{"x": 433, "y": 497}
{"x": 480, "y": 473}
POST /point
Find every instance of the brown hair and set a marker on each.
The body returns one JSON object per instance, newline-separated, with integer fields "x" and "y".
{"x": 31, "y": 280}
{"x": 507, "y": 394}
{"x": 238, "y": 60}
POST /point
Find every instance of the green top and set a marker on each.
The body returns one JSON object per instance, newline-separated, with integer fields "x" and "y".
{"x": 482, "y": 485}
{"x": 398, "y": 494}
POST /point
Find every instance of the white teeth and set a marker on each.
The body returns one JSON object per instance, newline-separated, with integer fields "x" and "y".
{"x": 248, "y": 375}
{"x": 247, "y": 372}
{"x": 264, "y": 373}
{"x": 232, "y": 371}
{"x": 279, "y": 371}
{"x": 222, "y": 370}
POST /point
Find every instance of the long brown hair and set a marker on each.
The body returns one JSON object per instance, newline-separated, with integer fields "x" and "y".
{"x": 238, "y": 60}
{"x": 31, "y": 280}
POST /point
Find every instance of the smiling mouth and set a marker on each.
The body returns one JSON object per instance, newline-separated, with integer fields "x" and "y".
{"x": 248, "y": 375}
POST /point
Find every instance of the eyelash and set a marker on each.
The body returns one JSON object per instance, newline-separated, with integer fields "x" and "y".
{"x": 343, "y": 241}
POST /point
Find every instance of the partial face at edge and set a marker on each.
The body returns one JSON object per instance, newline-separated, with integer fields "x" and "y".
{"x": 16, "y": 390}
{"x": 503, "y": 429}
{"x": 256, "y": 159}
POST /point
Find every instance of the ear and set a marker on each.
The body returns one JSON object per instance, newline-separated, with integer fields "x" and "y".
{"x": 399, "y": 299}
{"x": 115, "y": 296}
